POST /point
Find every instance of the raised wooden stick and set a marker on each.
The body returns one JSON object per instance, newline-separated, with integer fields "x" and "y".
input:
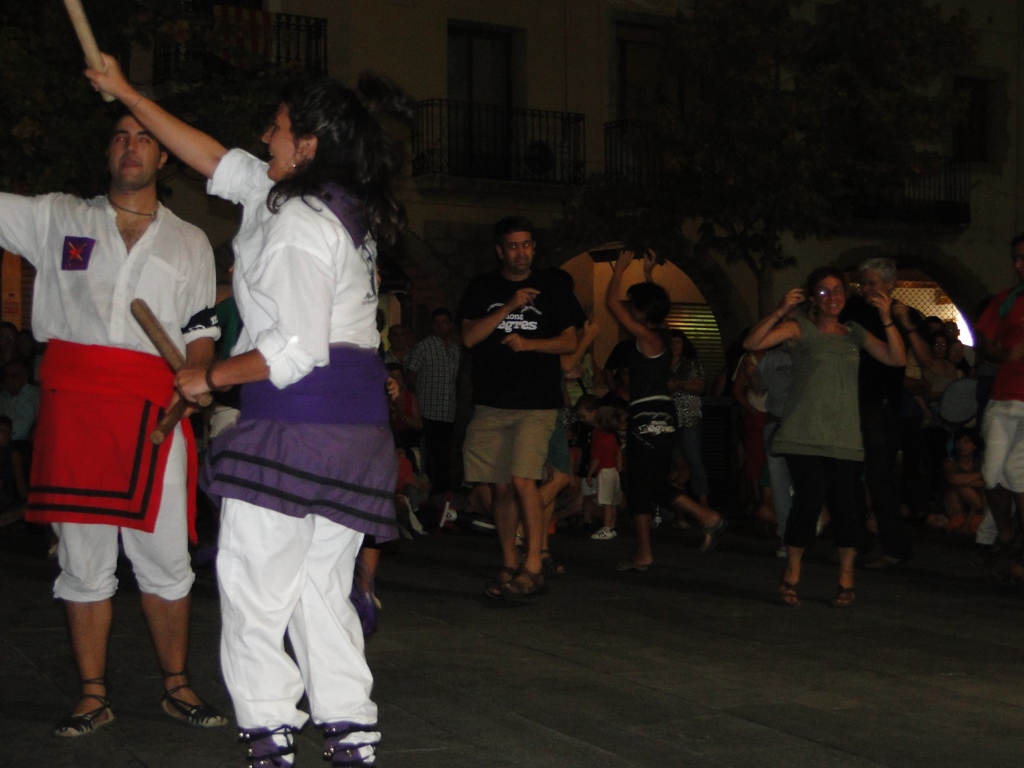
{"x": 172, "y": 355}
{"x": 85, "y": 38}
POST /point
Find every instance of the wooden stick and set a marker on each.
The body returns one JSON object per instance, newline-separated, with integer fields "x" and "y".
{"x": 170, "y": 420}
{"x": 155, "y": 332}
{"x": 172, "y": 355}
{"x": 85, "y": 38}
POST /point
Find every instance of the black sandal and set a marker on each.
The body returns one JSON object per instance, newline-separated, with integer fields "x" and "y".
{"x": 199, "y": 715}
{"x": 87, "y": 722}
{"x": 550, "y": 566}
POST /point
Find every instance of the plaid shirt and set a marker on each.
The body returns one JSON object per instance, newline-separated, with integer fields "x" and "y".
{"x": 436, "y": 366}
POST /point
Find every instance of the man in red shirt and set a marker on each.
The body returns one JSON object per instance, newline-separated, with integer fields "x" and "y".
{"x": 1001, "y": 339}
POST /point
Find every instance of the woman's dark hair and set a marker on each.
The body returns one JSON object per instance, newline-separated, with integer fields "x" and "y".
{"x": 650, "y": 300}
{"x": 971, "y": 434}
{"x": 820, "y": 274}
{"x": 689, "y": 350}
{"x": 352, "y": 148}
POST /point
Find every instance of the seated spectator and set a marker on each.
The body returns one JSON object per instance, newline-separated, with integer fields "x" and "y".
{"x": 963, "y": 499}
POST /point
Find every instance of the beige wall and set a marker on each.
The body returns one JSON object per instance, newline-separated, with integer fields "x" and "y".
{"x": 567, "y": 56}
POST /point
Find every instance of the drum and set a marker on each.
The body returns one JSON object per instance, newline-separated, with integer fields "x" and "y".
{"x": 959, "y": 401}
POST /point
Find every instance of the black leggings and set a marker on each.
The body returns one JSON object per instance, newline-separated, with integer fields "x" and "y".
{"x": 819, "y": 480}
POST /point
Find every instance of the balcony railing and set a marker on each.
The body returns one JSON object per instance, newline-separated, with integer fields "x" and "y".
{"x": 486, "y": 142}
{"x": 241, "y": 37}
{"x": 941, "y": 196}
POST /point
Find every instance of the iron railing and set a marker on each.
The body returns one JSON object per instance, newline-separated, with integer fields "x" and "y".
{"x": 487, "y": 142}
{"x": 940, "y": 196}
{"x": 220, "y": 35}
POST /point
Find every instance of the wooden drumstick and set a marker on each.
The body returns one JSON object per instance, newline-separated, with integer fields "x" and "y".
{"x": 85, "y": 38}
{"x": 172, "y": 355}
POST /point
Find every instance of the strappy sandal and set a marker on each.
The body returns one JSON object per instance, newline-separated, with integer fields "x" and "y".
{"x": 87, "y": 722}
{"x": 495, "y": 590}
{"x": 844, "y": 598}
{"x": 550, "y": 566}
{"x": 526, "y": 583}
{"x": 200, "y": 715}
{"x": 788, "y": 594}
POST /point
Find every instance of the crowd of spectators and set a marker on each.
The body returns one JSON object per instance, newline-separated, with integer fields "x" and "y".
{"x": 918, "y": 470}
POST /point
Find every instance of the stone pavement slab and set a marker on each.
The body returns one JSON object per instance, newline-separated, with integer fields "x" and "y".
{"x": 694, "y": 663}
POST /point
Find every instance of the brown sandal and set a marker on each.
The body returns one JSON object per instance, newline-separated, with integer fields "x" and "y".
{"x": 788, "y": 594}
{"x": 844, "y": 598}
{"x": 495, "y": 590}
{"x": 525, "y": 583}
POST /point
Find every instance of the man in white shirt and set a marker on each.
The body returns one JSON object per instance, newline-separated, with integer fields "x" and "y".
{"x": 95, "y": 474}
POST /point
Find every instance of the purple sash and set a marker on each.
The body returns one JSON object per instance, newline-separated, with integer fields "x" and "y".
{"x": 351, "y": 390}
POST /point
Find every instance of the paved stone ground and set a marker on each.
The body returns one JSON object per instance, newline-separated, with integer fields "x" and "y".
{"x": 691, "y": 664}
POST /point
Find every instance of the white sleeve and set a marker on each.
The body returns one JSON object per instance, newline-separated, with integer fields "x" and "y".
{"x": 238, "y": 176}
{"x": 295, "y": 288}
{"x": 202, "y": 293}
{"x": 22, "y": 224}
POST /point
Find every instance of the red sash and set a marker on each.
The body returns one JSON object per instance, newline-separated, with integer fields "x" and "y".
{"x": 94, "y": 462}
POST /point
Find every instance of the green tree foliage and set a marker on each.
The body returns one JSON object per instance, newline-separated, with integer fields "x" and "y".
{"x": 800, "y": 118}
{"x": 54, "y": 127}
{"x": 52, "y": 124}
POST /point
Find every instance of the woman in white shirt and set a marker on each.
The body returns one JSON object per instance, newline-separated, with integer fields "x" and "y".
{"x": 310, "y": 467}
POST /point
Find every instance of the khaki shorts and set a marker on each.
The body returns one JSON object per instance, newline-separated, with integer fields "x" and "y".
{"x": 609, "y": 488}
{"x": 502, "y": 443}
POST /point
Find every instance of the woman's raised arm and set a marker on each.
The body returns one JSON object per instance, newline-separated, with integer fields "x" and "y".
{"x": 195, "y": 148}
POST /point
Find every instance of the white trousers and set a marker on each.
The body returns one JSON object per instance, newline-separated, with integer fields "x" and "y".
{"x": 87, "y": 552}
{"x": 1002, "y": 427}
{"x": 276, "y": 574}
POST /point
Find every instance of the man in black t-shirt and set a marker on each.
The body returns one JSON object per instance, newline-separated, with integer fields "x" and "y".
{"x": 880, "y": 394}
{"x": 515, "y": 323}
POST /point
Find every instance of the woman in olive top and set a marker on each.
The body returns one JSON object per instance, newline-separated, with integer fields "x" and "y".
{"x": 820, "y": 430}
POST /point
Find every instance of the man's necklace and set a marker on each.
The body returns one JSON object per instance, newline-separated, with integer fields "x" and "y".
{"x": 129, "y": 210}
